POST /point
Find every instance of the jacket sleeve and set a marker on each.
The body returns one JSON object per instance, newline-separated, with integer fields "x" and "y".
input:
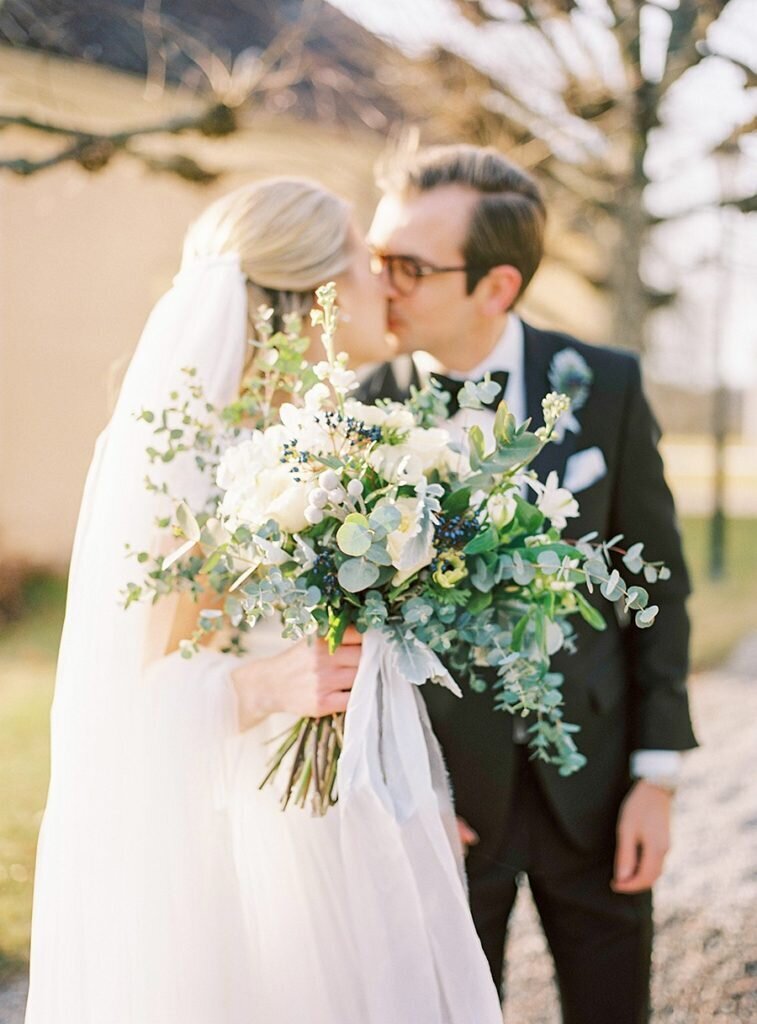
{"x": 643, "y": 510}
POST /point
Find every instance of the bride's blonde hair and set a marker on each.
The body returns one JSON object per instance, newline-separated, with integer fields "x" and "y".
{"x": 291, "y": 235}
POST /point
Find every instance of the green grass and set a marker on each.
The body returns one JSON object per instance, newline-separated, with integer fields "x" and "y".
{"x": 722, "y": 613}
{"x": 27, "y": 666}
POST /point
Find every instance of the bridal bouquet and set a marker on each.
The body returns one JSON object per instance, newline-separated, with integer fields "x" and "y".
{"x": 328, "y": 512}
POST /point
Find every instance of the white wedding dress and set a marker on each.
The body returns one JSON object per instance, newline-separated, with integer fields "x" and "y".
{"x": 169, "y": 888}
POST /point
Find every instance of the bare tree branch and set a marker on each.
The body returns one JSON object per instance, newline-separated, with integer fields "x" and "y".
{"x": 93, "y": 151}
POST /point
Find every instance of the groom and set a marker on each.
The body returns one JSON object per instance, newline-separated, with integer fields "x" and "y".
{"x": 457, "y": 237}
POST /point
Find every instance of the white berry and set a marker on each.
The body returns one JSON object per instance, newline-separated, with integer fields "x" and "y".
{"x": 355, "y": 488}
{"x": 313, "y": 515}
{"x": 329, "y": 480}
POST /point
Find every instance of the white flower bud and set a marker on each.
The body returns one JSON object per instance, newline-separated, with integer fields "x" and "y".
{"x": 355, "y": 488}
{"x": 328, "y": 480}
{"x": 318, "y": 497}
{"x": 313, "y": 515}
{"x": 337, "y": 495}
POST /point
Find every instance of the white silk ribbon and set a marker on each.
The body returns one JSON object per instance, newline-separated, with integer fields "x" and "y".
{"x": 402, "y": 860}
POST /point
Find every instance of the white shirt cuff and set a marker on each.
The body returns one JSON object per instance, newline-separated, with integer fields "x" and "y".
{"x": 648, "y": 764}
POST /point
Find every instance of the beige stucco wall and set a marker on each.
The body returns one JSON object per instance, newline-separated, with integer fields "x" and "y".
{"x": 84, "y": 256}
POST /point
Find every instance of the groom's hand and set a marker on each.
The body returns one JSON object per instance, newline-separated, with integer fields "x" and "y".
{"x": 304, "y": 680}
{"x": 643, "y": 838}
{"x": 468, "y": 836}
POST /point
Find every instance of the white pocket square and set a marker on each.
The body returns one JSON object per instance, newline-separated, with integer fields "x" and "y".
{"x": 584, "y": 469}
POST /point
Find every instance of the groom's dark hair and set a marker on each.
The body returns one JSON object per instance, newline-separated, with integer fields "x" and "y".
{"x": 507, "y": 223}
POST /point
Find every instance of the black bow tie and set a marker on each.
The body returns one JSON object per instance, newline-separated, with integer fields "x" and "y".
{"x": 454, "y": 387}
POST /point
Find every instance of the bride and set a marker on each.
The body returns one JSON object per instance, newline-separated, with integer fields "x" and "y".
{"x": 169, "y": 888}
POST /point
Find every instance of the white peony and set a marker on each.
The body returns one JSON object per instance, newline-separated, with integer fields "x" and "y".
{"x": 308, "y": 429}
{"x": 423, "y": 451}
{"x": 371, "y": 415}
{"x": 393, "y": 417}
{"x": 259, "y": 486}
{"x": 396, "y": 464}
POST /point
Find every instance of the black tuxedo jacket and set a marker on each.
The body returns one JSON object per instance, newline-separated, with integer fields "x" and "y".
{"x": 625, "y": 687}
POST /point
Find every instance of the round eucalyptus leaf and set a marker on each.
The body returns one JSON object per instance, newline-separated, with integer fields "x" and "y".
{"x": 353, "y": 539}
{"x": 549, "y": 562}
{"x": 356, "y": 574}
{"x": 646, "y": 616}
{"x": 378, "y": 554}
{"x": 388, "y": 517}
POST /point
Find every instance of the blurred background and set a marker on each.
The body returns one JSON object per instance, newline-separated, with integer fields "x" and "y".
{"x": 121, "y": 121}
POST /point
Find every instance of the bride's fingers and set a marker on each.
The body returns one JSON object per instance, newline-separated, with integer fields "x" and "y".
{"x": 341, "y": 679}
{"x": 333, "y": 703}
{"x": 347, "y": 657}
{"x": 351, "y": 637}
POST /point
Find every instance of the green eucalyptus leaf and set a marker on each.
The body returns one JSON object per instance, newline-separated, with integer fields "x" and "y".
{"x": 528, "y": 515}
{"x": 519, "y": 633}
{"x": 549, "y": 562}
{"x": 476, "y": 445}
{"x": 504, "y": 424}
{"x": 457, "y": 501}
{"x": 378, "y": 554}
{"x": 357, "y": 519}
{"x": 612, "y": 587}
{"x": 646, "y": 616}
{"x": 520, "y": 450}
{"x": 589, "y": 613}
{"x": 357, "y": 574}
{"x": 353, "y": 539}
{"x": 388, "y": 517}
{"x": 487, "y": 540}
{"x": 479, "y": 602}
{"x": 637, "y": 598}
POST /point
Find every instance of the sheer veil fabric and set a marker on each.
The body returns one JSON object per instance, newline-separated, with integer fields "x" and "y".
{"x": 169, "y": 889}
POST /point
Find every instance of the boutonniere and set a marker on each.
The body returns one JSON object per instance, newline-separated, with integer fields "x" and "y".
{"x": 570, "y": 374}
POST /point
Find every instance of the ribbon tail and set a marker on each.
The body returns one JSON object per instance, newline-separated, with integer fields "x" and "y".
{"x": 415, "y": 935}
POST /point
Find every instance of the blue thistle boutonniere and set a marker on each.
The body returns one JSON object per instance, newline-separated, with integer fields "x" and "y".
{"x": 570, "y": 374}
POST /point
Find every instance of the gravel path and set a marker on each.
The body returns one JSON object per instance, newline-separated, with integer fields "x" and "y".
{"x": 705, "y": 962}
{"x": 706, "y": 904}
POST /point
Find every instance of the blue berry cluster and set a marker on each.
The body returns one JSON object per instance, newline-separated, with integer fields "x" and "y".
{"x": 323, "y": 574}
{"x": 290, "y": 453}
{"x": 354, "y": 429}
{"x": 454, "y": 531}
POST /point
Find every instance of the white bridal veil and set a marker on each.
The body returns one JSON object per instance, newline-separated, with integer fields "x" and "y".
{"x": 138, "y": 915}
{"x": 133, "y": 864}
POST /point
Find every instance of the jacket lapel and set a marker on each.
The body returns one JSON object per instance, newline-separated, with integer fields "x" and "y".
{"x": 539, "y": 350}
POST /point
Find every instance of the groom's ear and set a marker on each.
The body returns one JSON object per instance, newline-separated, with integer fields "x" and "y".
{"x": 499, "y": 289}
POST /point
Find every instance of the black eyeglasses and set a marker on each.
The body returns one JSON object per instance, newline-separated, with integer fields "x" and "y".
{"x": 406, "y": 271}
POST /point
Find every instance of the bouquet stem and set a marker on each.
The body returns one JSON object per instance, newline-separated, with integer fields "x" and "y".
{"x": 315, "y": 745}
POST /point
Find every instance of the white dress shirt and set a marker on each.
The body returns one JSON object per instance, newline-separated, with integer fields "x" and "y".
{"x": 509, "y": 354}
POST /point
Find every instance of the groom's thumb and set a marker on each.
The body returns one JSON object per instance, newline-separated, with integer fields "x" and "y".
{"x": 625, "y": 858}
